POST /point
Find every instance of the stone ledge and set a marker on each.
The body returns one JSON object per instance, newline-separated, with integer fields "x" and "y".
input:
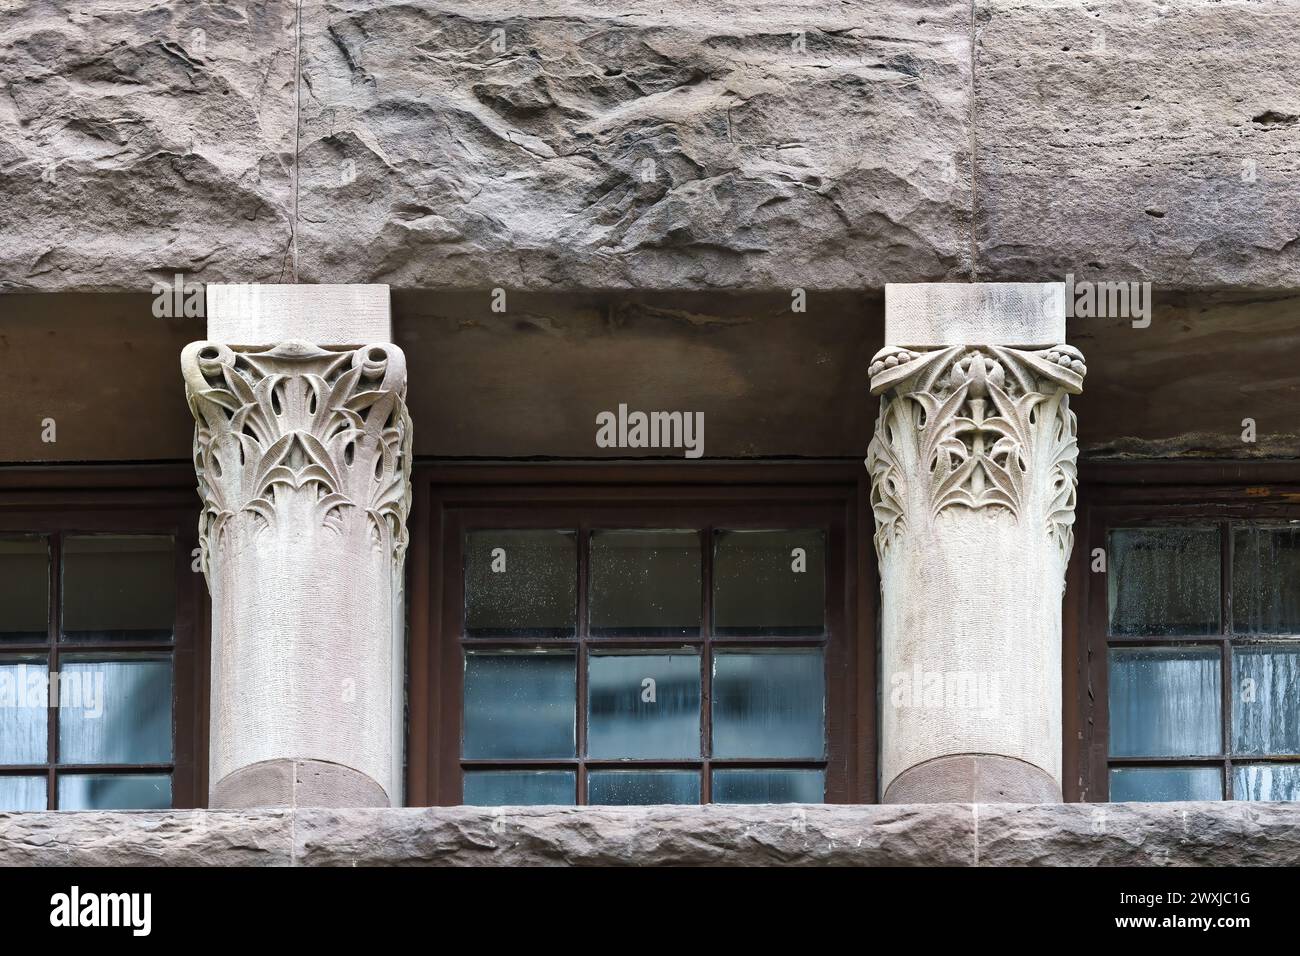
{"x": 1130, "y": 834}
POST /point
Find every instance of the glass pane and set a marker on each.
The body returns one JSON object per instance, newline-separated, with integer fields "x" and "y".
{"x": 645, "y": 583}
{"x": 1266, "y": 782}
{"x": 642, "y": 787}
{"x": 769, "y": 703}
{"x": 519, "y": 706}
{"x": 1164, "y": 581}
{"x": 118, "y": 588}
{"x": 643, "y": 705}
{"x": 521, "y": 583}
{"x": 24, "y": 711}
{"x": 1160, "y": 784}
{"x": 519, "y": 788}
{"x": 24, "y": 589}
{"x": 1164, "y": 702}
{"x": 769, "y": 583}
{"x": 115, "y": 791}
{"x": 1266, "y": 700}
{"x": 116, "y": 711}
{"x": 22, "y": 793}
{"x": 769, "y": 786}
{"x": 1266, "y": 580}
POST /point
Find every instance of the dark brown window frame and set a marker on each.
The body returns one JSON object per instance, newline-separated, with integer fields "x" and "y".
{"x": 769, "y": 494}
{"x": 1131, "y": 494}
{"x": 124, "y": 499}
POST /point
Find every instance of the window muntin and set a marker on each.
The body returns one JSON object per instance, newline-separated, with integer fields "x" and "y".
{"x": 1203, "y": 659}
{"x": 86, "y": 701}
{"x": 660, "y": 696}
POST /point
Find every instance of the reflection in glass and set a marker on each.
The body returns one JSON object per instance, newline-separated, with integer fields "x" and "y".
{"x": 1266, "y": 580}
{"x": 642, "y": 787}
{"x": 769, "y": 786}
{"x": 1266, "y": 699}
{"x": 1159, "y": 784}
{"x": 645, "y": 583}
{"x": 24, "y": 711}
{"x": 24, "y": 589}
{"x": 117, "y": 711}
{"x": 118, "y": 587}
{"x": 22, "y": 793}
{"x": 1266, "y": 782}
{"x": 519, "y": 706}
{"x": 519, "y": 788}
{"x": 521, "y": 583}
{"x": 769, "y": 703}
{"x": 643, "y": 706}
{"x": 1164, "y": 581}
{"x": 1164, "y": 702}
{"x": 769, "y": 583}
{"x": 115, "y": 791}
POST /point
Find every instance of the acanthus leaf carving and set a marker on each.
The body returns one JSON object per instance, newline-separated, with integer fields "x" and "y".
{"x": 298, "y": 420}
{"x": 974, "y": 427}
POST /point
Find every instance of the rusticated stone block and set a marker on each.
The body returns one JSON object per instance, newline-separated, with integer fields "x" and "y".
{"x": 1061, "y": 834}
{"x": 147, "y": 838}
{"x": 142, "y": 140}
{"x": 1140, "y": 834}
{"x": 716, "y": 835}
{"x": 1139, "y": 140}
{"x": 568, "y": 144}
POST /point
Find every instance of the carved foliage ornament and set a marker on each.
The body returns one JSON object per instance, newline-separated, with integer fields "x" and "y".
{"x": 974, "y": 427}
{"x": 298, "y": 420}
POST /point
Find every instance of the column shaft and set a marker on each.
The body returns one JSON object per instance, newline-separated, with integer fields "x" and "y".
{"x": 973, "y": 489}
{"x": 302, "y": 455}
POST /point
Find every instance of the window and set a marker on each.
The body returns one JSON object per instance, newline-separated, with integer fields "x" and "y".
{"x": 1195, "y": 640}
{"x": 98, "y": 614}
{"x": 629, "y": 643}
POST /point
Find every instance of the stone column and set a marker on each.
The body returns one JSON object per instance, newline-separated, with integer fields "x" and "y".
{"x": 973, "y": 487}
{"x": 302, "y": 447}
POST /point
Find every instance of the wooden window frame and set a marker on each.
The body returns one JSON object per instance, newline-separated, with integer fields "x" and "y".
{"x": 1113, "y": 494}
{"x": 145, "y": 499}
{"x": 770, "y": 494}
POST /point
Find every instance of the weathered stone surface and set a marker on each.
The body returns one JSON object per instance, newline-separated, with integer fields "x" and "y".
{"x": 138, "y": 140}
{"x": 147, "y": 838}
{"x": 1140, "y": 834}
{"x": 770, "y": 382}
{"x": 1062, "y": 834}
{"x": 639, "y": 836}
{"x": 763, "y": 377}
{"x": 626, "y": 145}
{"x": 1139, "y": 139}
{"x": 1183, "y": 386}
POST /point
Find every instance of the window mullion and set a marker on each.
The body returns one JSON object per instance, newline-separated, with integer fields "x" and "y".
{"x": 52, "y": 667}
{"x": 706, "y": 666}
{"x": 1225, "y": 668}
{"x": 580, "y": 712}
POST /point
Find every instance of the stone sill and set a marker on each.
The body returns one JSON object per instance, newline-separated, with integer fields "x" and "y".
{"x": 1121, "y": 834}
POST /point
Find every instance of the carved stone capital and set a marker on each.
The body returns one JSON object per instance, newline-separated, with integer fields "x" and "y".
{"x": 297, "y": 432}
{"x": 974, "y": 427}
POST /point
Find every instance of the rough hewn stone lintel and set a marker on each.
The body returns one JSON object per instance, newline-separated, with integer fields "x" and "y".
{"x": 1142, "y": 834}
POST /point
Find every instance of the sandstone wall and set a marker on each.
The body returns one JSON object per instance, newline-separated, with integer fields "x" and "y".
{"x": 566, "y": 145}
{"x": 1063, "y": 834}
